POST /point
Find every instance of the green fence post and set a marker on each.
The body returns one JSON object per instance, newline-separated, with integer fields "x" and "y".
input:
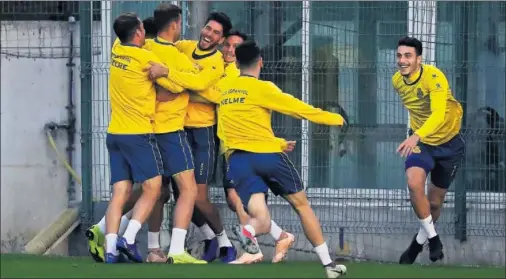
{"x": 85, "y": 21}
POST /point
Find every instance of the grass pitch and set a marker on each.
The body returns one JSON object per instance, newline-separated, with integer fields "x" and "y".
{"x": 27, "y": 266}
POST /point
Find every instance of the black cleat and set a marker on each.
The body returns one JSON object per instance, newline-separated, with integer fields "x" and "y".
{"x": 435, "y": 249}
{"x": 409, "y": 256}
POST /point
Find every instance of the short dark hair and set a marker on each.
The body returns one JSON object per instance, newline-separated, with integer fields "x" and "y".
{"x": 150, "y": 27}
{"x": 125, "y": 26}
{"x": 411, "y": 42}
{"x": 165, "y": 14}
{"x": 247, "y": 54}
{"x": 234, "y": 32}
{"x": 222, "y": 19}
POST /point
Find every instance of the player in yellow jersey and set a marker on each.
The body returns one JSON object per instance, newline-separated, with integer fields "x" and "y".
{"x": 256, "y": 160}
{"x": 133, "y": 150}
{"x": 284, "y": 240}
{"x": 95, "y": 233}
{"x": 435, "y": 145}
{"x": 169, "y": 126}
{"x": 200, "y": 126}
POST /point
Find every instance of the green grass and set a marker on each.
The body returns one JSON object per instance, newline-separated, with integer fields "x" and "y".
{"x": 27, "y": 266}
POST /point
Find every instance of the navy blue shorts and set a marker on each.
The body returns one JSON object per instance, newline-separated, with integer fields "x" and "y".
{"x": 442, "y": 161}
{"x": 133, "y": 157}
{"x": 203, "y": 144}
{"x": 257, "y": 172}
{"x": 176, "y": 152}
{"x": 228, "y": 182}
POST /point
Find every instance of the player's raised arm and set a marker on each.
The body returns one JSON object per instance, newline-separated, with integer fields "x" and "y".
{"x": 274, "y": 99}
{"x": 438, "y": 87}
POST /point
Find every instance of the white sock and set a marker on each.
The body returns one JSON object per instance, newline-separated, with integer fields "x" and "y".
{"x": 110, "y": 242}
{"x": 123, "y": 224}
{"x": 250, "y": 229}
{"x": 428, "y": 226}
{"x": 223, "y": 240}
{"x": 177, "y": 241}
{"x": 153, "y": 240}
{"x": 101, "y": 224}
{"x": 133, "y": 228}
{"x": 275, "y": 230}
{"x": 207, "y": 232}
{"x": 421, "y": 237}
{"x": 323, "y": 253}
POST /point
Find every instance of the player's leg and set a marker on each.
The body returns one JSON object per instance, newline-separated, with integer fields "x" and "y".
{"x": 284, "y": 180}
{"x": 418, "y": 165}
{"x": 155, "y": 254}
{"x": 179, "y": 166}
{"x": 203, "y": 147}
{"x": 121, "y": 185}
{"x": 96, "y": 233}
{"x": 145, "y": 161}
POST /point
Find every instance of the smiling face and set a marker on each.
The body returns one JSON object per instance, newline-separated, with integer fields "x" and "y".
{"x": 229, "y": 47}
{"x": 408, "y": 62}
{"x": 211, "y": 35}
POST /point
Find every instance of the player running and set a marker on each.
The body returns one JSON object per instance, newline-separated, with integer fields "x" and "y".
{"x": 284, "y": 240}
{"x": 434, "y": 146}
{"x": 256, "y": 160}
{"x": 200, "y": 126}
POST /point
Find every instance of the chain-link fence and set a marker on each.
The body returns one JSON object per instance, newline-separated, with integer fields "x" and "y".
{"x": 337, "y": 56}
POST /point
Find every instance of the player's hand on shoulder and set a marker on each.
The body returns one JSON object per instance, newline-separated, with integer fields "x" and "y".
{"x": 156, "y": 70}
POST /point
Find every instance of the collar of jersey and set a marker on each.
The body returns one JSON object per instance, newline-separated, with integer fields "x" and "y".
{"x": 412, "y": 80}
{"x": 163, "y": 41}
{"x": 201, "y": 54}
{"x": 129, "y": 44}
{"x": 245, "y": 75}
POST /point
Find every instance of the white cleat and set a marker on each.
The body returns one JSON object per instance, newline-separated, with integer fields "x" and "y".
{"x": 282, "y": 247}
{"x": 335, "y": 270}
{"x": 247, "y": 258}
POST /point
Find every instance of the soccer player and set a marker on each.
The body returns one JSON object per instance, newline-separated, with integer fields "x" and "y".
{"x": 200, "y": 126}
{"x": 169, "y": 124}
{"x": 96, "y": 233}
{"x": 133, "y": 150}
{"x": 284, "y": 240}
{"x": 255, "y": 157}
{"x": 435, "y": 145}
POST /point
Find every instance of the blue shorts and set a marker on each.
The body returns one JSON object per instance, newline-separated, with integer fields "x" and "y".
{"x": 228, "y": 182}
{"x": 441, "y": 161}
{"x": 133, "y": 157}
{"x": 176, "y": 152}
{"x": 257, "y": 172}
{"x": 203, "y": 144}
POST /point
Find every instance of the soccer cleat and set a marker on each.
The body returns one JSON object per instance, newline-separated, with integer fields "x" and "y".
{"x": 435, "y": 249}
{"x": 96, "y": 241}
{"x": 228, "y": 254}
{"x": 184, "y": 258}
{"x": 409, "y": 256}
{"x": 156, "y": 256}
{"x": 334, "y": 270}
{"x": 248, "y": 241}
{"x": 210, "y": 248}
{"x": 129, "y": 250}
{"x": 110, "y": 258}
{"x": 247, "y": 258}
{"x": 282, "y": 247}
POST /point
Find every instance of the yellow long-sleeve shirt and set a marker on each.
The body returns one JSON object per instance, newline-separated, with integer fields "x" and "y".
{"x": 435, "y": 115}
{"x": 132, "y": 94}
{"x": 199, "y": 114}
{"x": 246, "y": 104}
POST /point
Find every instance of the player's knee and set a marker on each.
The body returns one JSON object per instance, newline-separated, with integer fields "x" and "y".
{"x": 122, "y": 190}
{"x": 416, "y": 179}
{"x": 435, "y": 205}
{"x": 153, "y": 187}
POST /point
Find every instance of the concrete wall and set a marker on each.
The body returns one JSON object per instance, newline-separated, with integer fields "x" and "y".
{"x": 34, "y": 91}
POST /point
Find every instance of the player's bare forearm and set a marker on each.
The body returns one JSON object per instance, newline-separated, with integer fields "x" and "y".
{"x": 196, "y": 98}
{"x": 164, "y": 95}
